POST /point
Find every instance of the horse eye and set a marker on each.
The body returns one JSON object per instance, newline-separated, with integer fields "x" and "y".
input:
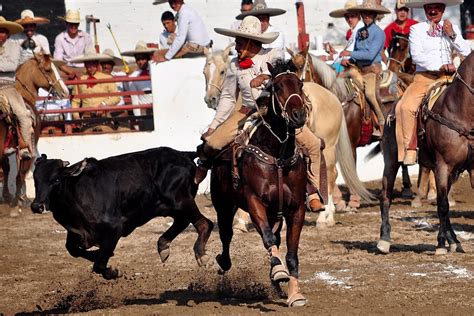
{"x": 222, "y": 72}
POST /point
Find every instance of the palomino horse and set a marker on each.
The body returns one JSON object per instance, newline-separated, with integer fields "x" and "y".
{"x": 326, "y": 120}
{"x": 318, "y": 71}
{"x": 38, "y": 72}
{"x": 446, "y": 147}
{"x": 272, "y": 182}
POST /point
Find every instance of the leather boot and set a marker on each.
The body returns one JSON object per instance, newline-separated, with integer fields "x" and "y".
{"x": 314, "y": 203}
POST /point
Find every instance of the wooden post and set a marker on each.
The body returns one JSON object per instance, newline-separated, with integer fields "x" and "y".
{"x": 303, "y": 37}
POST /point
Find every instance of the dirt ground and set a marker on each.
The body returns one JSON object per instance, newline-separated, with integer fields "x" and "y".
{"x": 340, "y": 270}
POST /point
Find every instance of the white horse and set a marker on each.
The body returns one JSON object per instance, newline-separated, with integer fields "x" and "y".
{"x": 325, "y": 119}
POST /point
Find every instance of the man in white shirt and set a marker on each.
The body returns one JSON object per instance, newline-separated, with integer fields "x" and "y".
{"x": 192, "y": 36}
{"x": 169, "y": 33}
{"x": 246, "y": 74}
{"x": 432, "y": 44}
{"x": 143, "y": 55}
{"x": 263, "y": 13}
{"x": 30, "y": 41}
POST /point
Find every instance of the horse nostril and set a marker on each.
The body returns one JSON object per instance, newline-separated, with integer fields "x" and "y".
{"x": 299, "y": 116}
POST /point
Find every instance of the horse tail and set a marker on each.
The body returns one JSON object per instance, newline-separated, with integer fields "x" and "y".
{"x": 374, "y": 152}
{"x": 347, "y": 165}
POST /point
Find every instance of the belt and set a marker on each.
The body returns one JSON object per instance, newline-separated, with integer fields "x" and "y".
{"x": 434, "y": 73}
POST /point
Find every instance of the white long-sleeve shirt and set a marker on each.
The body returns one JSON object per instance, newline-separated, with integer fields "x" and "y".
{"x": 351, "y": 42}
{"x": 279, "y": 43}
{"x": 238, "y": 80}
{"x": 191, "y": 29}
{"x": 41, "y": 44}
{"x": 429, "y": 53}
{"x": 9, "y": 60}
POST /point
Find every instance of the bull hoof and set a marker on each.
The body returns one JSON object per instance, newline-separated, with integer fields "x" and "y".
{"x": 416, "y": 202}
{"x": 111, "y": 274}
{"x": 225, "y": 265}
{"x": 456, "y": 248}
{"x": 203, "y": 260}
{"x": 163, "y": 247}
{"x": 383, "y": 246}
{"x": 441, "y": 251}
{"x": 164, "y": 254}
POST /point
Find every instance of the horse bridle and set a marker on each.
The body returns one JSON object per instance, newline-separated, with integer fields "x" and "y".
{"x": 284, "y": 115}
{"x": 219, "y": 88}
{"x": 400, "y": 62}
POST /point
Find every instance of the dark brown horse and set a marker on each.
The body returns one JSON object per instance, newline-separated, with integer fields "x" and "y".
{"x": 313, "y": 69}
{"x": 272, "y": 181}
{"x": 38, "y": 72}
{"x": 399, "y": 54}
{"x": 446, "y": 147}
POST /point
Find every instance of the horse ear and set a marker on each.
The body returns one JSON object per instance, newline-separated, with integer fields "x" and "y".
{"x": 292, "y": 53}
{"x": 47, "y": 62}
{"x": 207, "y": 52}
{"x": 227, "y": 50}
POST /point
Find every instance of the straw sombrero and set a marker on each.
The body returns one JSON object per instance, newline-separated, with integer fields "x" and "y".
{"x": 12, "y": 27}
{"x": 140, "y": 48}
{"x": 72, "y": 16}
{"x": 91, "y": 55}
{"x": 110, "y": 53}
{"x": 421, "y": 3}
{"x": 260, "y": 8}
{"x": 370, "y": 5}
{"x": 159, "y": 2}
{"x": 339, "y": 13}
{"x": 250, "y": 28}
{"x": 28, "y": 17}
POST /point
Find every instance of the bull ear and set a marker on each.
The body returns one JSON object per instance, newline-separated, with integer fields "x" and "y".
{"x": 41, "y": 158}
{"x": 76, "y": 169}
{"x": 66, "y": 163}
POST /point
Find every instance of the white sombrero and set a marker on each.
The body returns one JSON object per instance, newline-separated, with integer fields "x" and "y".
{"x": 91, "y": 55}
{"x": 421, "y": 3}
{"x": 260, "y": 8}
{"x": 28, "y": 17}
{"x": 250, "y": 28}
{"x": 12, "y": 27}
{"x": 370, "y": 5}
{"x": 140, "y": 48}
{"x": 339, "y": 13}
{"x": 110, "y": 53}
{"x": 72, "y": 16}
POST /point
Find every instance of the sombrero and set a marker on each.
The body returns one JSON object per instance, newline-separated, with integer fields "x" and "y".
{"x": 260, "y": 8}
{"x": 110, "y": 53}
{"x": 339, "y": 13}
{"x": 370, "y": 5}
{"x": 72, "y": 16}
{"x": 159, "y": 2}
{"x": 12, "y": 27}
{"x": 140, "y": 48}
{"x": 91, "y": 55}
{"x": 421, "y": 3}
{"x": 250, "y": 28}
{"x": 28, "y": 17}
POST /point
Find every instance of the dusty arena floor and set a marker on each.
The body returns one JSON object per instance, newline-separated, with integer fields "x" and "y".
{"x": 341, "y": 272}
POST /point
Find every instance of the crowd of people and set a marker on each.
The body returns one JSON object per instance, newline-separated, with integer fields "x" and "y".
{"x": 257, "y": 42}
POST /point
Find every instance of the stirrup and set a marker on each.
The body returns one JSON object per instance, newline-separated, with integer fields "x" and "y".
{"x": 24, "y": 154}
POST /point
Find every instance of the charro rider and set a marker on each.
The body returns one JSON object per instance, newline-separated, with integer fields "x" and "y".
{"x": 30, "y": 41}
{"x": 9, "y": 61}
{"x": 248, "y": 72}
{"x": 367, "y": 55}
{"x": 432, "y": 44}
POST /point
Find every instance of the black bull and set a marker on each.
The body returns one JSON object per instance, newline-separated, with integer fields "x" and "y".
{"x": 99, "y": 201}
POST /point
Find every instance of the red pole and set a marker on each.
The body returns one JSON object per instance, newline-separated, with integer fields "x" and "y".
{"x": 303, "y": 37}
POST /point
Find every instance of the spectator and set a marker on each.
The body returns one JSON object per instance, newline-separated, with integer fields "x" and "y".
{"x": 143, "y": 55}
{"x": 9, "y": 61}
{"x": 263, "y": 13}
{"x": 245, "y": 6}
{"x": 30, "y": 41}
{"x": 169, "y": 33}
{"x": 91, "y": 61}
{"x": 108, "y": 69}
{"x": 192, "y": 36}
{"x": 72, "y": 42}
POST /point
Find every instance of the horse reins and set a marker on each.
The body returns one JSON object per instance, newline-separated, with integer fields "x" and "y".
{"x": 402, "y": 62}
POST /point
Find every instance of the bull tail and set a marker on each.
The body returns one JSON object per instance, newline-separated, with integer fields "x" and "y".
{"x": 348, "y": 166}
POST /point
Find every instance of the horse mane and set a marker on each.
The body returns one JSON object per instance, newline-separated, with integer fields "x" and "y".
{"x": 329, "y": 78}
{"x": 280, "y": 66}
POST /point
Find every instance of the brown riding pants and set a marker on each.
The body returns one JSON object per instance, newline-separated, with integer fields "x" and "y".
{"x": 371, "y": 76}
{"x": 310, "y": 143}
{"x": 406, "y": 110}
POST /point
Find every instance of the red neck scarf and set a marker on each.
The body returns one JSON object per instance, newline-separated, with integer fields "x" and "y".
{"x": 348, "y": 34}
{"x": 90, "y": 85}
{"x": 245, "y": 63}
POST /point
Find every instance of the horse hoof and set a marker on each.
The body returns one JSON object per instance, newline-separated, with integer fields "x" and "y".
{"x": 407, "y": 194}
{"x": 278, "y": 272}
{"x": 431, "y": 196}
{"x": 451, "y": 203}
{"x": 353, "y": 205}
{"x": 456, "y": 248}
{"x": 441, "y": 251}
{"x": 383, "y": 246}
{"x": 225, "y": 265}
{"x": 416, "y": 202}
{"x": 15, "y": 212}
{"x": 297, "y": 300}
{"x": 341, "y": 206}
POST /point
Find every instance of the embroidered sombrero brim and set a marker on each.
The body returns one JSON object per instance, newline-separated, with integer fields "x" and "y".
{"x": 379, "y": 9}
{"x": 12, "y": 27}
{"x": 267, "y": 11}
{"x": 29, "y": 20}
{"x": 264, "y": 38}
{"x": 338, "y": 13}
{"x": 95, "y": 57}
{"x": 421, "y": 3}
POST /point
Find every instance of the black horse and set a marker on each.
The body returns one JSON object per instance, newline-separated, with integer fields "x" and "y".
{"x": 272, "y": 181}
{"x": 446, "y": 148}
